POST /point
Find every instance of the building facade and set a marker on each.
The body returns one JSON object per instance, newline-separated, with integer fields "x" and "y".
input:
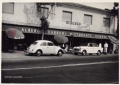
{"x": 78, "y": 22}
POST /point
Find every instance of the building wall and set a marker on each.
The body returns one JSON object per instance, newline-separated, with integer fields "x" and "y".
{"x": 26, "y": 14}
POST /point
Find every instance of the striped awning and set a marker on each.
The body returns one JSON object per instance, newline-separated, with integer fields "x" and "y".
{"x": 113, "y": 39}
{"x": 60, "y": 38}
{"x": 14, "y": 33}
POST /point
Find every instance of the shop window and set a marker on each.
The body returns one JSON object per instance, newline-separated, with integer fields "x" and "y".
{"x": 44, "y": 11}
{"x": 67, "y": 16}
{"x": 88, "y": 19}
{"x": 106, "y": 22}
{"x": 8, "y": 8}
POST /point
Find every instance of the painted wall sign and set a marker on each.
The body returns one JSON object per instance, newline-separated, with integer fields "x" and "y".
{"x": 83, "y": 27}
{"x": 23, "y": 29}
{"x": 30, "y": 30}
{"x": 73, "y": 23}
{"x": 55, "y": 32}
{"x": 77, "y": 34}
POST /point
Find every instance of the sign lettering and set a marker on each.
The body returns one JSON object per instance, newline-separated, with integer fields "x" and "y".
{"x": 73, "y": 23}
{"x": 30, "y": 30}
{"x": 76, "y": 34}
{"x": 59, "y": 32}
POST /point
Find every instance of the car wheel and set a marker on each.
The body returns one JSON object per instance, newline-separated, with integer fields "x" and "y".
{"x": 84, "y": 52}
{"x": 39, "y": 53}
{"x": 99, "y": 52}
{"x": 59, "y": 53}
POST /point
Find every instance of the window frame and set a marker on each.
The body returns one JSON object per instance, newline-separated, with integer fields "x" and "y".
{"x": 50, "y": 45}
{"x": 104, "y": 18}
{"x": 67, "y": 12}
{"x": 42, "y": 44}
{"x": 8, "y": 12}
{"x": 91, "y": 18}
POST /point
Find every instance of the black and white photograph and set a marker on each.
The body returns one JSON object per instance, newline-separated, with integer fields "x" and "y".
{"x": 60, "y": 42}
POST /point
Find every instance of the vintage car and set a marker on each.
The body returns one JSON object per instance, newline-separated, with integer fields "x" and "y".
{"x": 88, "y": 48}
{"x": 41, "y": 47}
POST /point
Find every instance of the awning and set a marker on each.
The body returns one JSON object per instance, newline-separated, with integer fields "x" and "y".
{"x": 14, "y": 33}
{"x": 60, "y": 38}
{"x": 113, "y": 39}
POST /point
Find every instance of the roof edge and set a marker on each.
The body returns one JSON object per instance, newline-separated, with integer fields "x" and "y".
{"x": 85, "y": 6}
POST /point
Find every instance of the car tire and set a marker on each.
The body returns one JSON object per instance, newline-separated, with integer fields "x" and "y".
{"x": 39, "y": 53}
{"x": 84, "y": 52}
{"x": 99, "y": 52}
{"x": 59, "y": 53}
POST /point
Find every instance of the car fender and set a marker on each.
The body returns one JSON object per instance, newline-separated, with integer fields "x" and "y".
{"x": 57, "y": 48}
{"x": 37, "y": 48}
{"x": 83, "y": 49}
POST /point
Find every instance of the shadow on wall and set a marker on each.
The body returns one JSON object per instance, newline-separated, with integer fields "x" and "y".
{"x": 31, "y": 14}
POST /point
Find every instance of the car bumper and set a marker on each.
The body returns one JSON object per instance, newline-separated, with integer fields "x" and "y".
{"x": 30, "y": 51}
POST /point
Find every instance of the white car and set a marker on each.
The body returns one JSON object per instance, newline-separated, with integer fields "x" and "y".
{"x": 88, "y": 48}
{"x": 41, "y": 47}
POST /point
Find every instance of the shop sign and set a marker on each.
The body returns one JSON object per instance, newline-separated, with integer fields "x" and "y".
{"x": 76, "y": 34}
{"x": 73, "y": 23}
{"x": 23, "y": 29}
{"x": 30, "y": 30}
{"x": 56, "y": 32}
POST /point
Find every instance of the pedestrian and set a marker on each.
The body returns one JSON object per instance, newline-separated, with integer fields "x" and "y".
{"x": 63, "y": 46}
{"x": 100, "y": 45}
{"x": 66, "y": 48}
{"x": 105, "y": 47}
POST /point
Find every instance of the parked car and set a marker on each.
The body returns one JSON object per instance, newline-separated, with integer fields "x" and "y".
{"x": 41, "y": 47}
{"x": 88, "y": 48}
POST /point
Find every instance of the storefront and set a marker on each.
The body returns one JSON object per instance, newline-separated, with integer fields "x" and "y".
{"x": 75, "y": 38}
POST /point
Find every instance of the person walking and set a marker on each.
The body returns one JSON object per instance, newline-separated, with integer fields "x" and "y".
{"x": 105, "y": 47}
{"x": 66, "y": 49}
{"x": 100, "y": 45}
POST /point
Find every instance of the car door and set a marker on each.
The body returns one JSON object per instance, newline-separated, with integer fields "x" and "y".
{"x": 50, "y": 48}
{"x": 44, "y": 47}
{"x": 96, "y": 48}
{"x": 90, "y": 48}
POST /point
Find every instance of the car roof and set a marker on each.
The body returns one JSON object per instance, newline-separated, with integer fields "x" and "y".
{"x": 42, "y": 41}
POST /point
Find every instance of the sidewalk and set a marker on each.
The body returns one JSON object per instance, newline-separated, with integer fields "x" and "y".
{"x": 21, "y": 55}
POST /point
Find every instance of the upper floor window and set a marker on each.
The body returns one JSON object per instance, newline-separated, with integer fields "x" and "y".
{"x": 88, "y": 19}
{"x": 44, "y": 11}
{"x": 106, "y": 22}
{"x": 67, "y": 16}
{"x": 8, "y": 8}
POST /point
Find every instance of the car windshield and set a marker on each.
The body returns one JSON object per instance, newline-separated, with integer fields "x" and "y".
{"x": 84, "y": 44}
{"x": 34, "y": 43}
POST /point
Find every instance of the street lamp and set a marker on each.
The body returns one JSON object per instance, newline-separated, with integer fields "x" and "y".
{"x": 41, "y": 10}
